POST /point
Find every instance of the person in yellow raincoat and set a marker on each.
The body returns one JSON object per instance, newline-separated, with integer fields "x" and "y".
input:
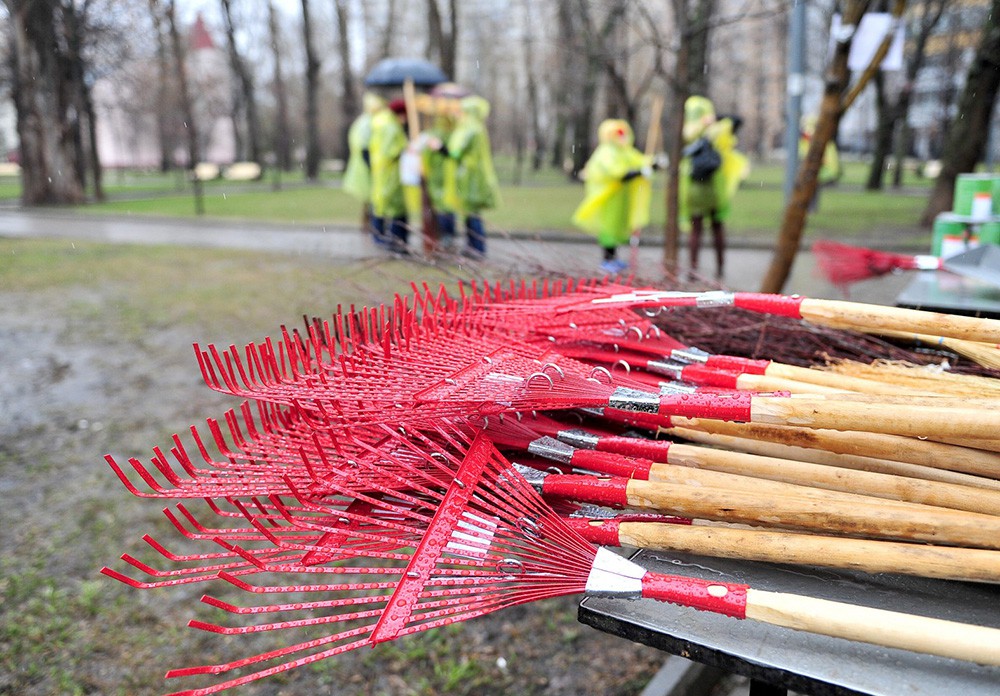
{"x": 471, "y": 184}
{"x": 357, "y": 174}
{"x": 830, "y": 170}
{"x": 435, "y": 158}
{"x": 710, "y": 173}
{"x": 617, "y": 191}
{"x": 388, "y": 141}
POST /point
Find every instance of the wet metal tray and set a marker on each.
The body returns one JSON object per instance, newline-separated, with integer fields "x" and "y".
{"x": 802, "y": 662}
{"x": 940, "y": 291}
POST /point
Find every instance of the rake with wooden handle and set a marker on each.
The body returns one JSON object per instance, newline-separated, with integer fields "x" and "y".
{"x": 439, "y": 371}
{"x": 659, "y": 457}
{"x": 837, "y": 313}
{"x": 482, "y": 541}
{"x": 793, "y": 548}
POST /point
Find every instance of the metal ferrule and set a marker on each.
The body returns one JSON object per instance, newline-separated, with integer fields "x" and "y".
{"x": 666, "y": 389}
{"x": 690, "y": 355}
{"x": 614, "y": 576}
{"x": 579, "y": 438}
{"x": 927, "y": 263}
{"x": 551, "y": 448}
{"x": 589, "y": 511}
{"x": 667, "y": 369}
{"x": 532, "y": 475}
{"x": 626, "y": 399}
{"x": 716, "y": 298}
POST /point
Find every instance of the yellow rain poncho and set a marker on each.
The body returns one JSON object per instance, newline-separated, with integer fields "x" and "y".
{"x": 357, "y": 175}
{"x": 387, "y": 144}
{"x": 713, "y": 197}
{"x": 613, "y": 208}
{"x": 470, "y": 184}
{"x": 830, "y": 170}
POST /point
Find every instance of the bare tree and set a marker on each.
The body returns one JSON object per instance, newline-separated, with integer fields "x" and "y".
{"x": 892, "y": 113}
{"x": 49, "y": 167}
{"x": 967, "y": 137}
{"x": 349, "y": 102}
{"x": 282, "y": 140}
{"x": 531, "y": 84}
{"x": 244, "y": 79}
{"x": 838, "y": 95}
{"x": 441, "y": 43}
{"x": 180, "y": 70}
{"x": 162, "y": 85}
{"x": 693, "y": 20}
{"x": 312, "y": 97}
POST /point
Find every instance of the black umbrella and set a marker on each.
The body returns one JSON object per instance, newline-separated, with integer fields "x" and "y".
{"x": 392, "y": 72}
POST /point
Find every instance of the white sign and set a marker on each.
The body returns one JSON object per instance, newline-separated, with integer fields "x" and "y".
{"x": 868, "y": 36}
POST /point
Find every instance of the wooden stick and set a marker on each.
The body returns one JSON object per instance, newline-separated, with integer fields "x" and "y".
{"x": 840, "y": 381}
{"x": 768, "y": 383}
{"x": 895, "y": 419}
{"x": 890, "y": 487}
{"x": 935, "y": 525}
{"x": 876, "y": 626}
{"x": 833, "y": 459}
{"x": 864, "y": 316}
{"x": 922, "y": 459}
{"x": 737, "y": 478}
{"x": 943, "y": 562}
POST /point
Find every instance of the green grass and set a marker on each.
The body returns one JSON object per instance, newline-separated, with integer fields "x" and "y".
{"x": 844, "y": 210}
{"x": 233, "y": 293}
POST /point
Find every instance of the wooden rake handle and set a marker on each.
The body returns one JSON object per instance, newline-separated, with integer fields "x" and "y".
{"x": 772, "y": 546}
{"x": 860, "y": 315}
{"x": 888, "y": 629}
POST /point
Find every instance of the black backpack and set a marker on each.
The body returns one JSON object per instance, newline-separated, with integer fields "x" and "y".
{"x": 705, "y": 159}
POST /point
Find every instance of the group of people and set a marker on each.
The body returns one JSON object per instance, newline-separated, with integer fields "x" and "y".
{"x": 447, "y": 166}
{"x": 618, "y": 187}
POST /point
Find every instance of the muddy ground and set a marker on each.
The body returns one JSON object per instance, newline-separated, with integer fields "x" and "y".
{"x": 89, "y": 369}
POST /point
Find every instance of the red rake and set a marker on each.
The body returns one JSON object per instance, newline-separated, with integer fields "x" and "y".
{"x": 843, "y": 264}
{"x": 429, "y": 371}
{"x": 837, "y": 313}
{"x": 488, "y": 542}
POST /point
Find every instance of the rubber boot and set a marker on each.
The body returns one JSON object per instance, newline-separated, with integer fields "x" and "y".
{"x": 719, "y": 237}
{"x": 378, "y": 231}
{"x": 475, "y": 236}
{"x": 695, "y": 242}
{"x": 399, "y": 235}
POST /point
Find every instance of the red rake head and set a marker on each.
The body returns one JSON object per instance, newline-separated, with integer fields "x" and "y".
{"x": 843, "y": 264}
{"x": 435, "y": 553}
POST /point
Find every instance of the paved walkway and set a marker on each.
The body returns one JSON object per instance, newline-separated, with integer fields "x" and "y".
{"x": 521, "y": 254}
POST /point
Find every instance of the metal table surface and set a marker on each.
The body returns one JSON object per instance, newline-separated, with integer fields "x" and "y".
{"x": 803, "y": 662}
{"x": 940, "y": 291}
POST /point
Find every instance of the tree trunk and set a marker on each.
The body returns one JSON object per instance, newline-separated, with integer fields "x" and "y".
{"x": 191, "y": 126}
{"x": 836, "y": 99}
{"x": 162, "y": 76}
{"x": 969, "y": 132}
{"x": 537, "y": 135}
{"x": 349, "y": 107}
{"x": 49, "y": 172}
{"x": 312, "y": 97}
{"x": 449, "y": 54}
{"x": 389, "y": 32}
{"x": 692, "y": 19}
{"x": 246, "y": 87}
{"x": 886, "y": 124}
{"x": 282, "y": 139}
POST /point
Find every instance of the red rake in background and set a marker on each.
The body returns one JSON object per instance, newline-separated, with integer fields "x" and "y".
{"x": 843, "y": 264}
{"x": 488, "y": 542}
